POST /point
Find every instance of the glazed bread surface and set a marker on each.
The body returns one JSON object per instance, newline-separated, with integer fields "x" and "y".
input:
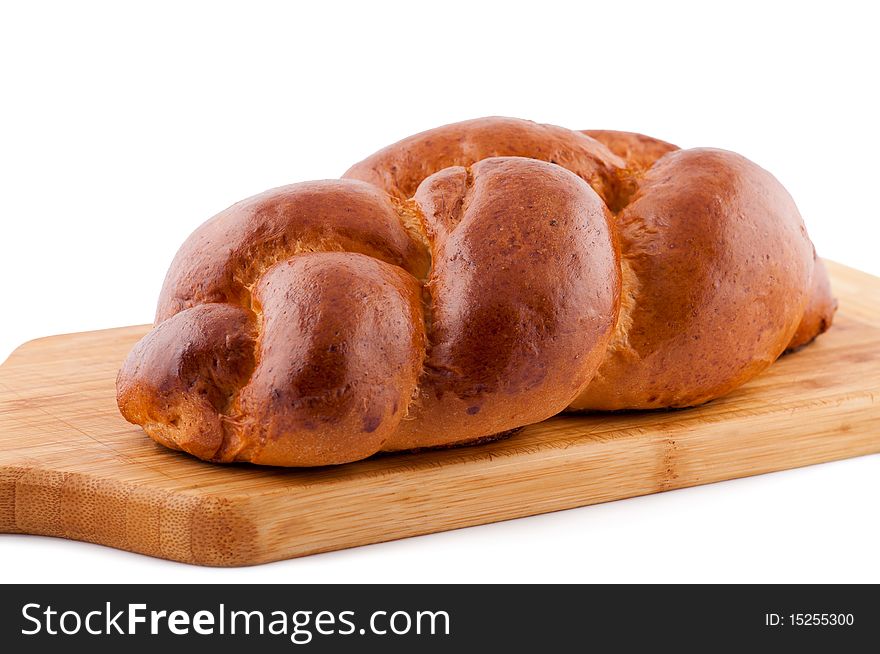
{"x": 468, "y": 281}
{"x": 322, "y": 322}
{"x": 717, "y": 270}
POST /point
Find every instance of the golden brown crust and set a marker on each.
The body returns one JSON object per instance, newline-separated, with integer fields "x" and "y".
{"x": 401, "y": 167}
{"x": 339, "y": 342}
{"x": 720, "y": 265}
{"x": 443, "y": 294}
{"x": 520, "y": 317}
{"x": 230, "y": 252}
{"x": 734, "y": 211}
{"x": 637, "y": 150}
{"x": 341, "y": 348}
{"x": 820, "y": 309}
{"x": 180, "y": 378}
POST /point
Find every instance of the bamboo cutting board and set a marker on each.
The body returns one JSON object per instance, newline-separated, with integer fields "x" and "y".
{"x": 70, "y": 466}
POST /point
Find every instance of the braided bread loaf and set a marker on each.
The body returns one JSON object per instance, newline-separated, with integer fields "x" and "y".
{"x": 468, "y": 281}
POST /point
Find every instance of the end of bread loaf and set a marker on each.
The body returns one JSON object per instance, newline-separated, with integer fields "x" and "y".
{"x": 720, "y": 268}
{"x": 180, "y": 379}
{"x": 819, "y": 312}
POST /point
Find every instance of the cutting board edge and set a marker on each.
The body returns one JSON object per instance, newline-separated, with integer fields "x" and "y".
{"x": 856, "y": 432}
{"x": 223, "y": 533}
{"x": 127, "y": 516}
{"x": 21, "y": 351}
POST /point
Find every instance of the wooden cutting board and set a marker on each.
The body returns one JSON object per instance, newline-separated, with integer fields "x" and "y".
{"x": 70, "y": 466}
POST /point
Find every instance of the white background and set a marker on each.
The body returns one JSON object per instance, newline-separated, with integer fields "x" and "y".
{"x": 123, "y": 128}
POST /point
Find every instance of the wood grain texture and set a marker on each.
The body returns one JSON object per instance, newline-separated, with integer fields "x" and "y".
{"x": 70, "y": 466}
